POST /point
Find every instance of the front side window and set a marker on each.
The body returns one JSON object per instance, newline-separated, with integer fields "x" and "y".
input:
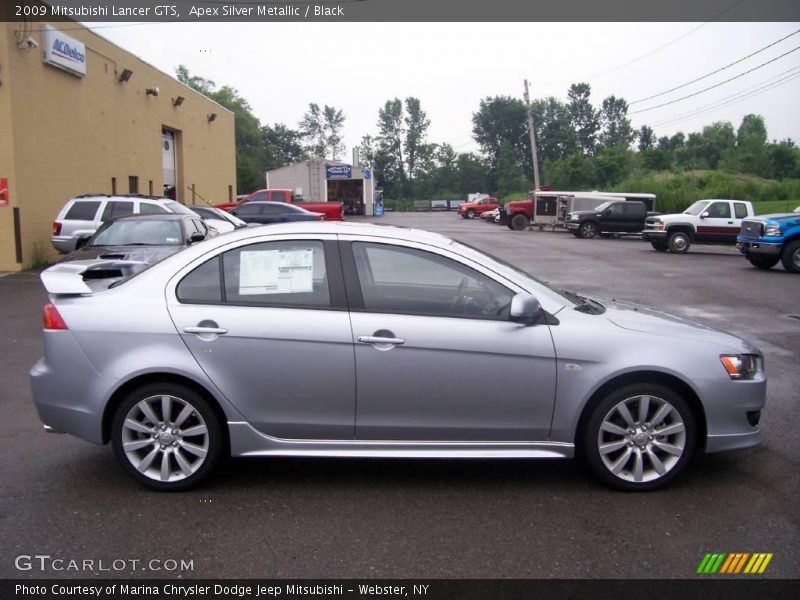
{"x": 396, "y": 279}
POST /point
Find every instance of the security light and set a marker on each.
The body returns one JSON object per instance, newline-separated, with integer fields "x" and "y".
{"x": 125, "y": 75}
{"x": 178, "y": 101}
{"x": 212, "y": 117}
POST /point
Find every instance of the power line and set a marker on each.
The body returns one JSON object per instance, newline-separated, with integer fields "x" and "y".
{"x": 716, "y": 85}
{"x": 714, "y": 72}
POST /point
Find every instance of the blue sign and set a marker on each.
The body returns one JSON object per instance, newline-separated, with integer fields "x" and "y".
{"x": 367, "y": 173}
{"x": 338, "y": 172}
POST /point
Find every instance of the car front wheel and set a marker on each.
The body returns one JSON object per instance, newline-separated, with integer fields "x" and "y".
{"x": 588, "y": 230}
{"x": 640, "y": 437}
{"x": 790, "y": 257}
{"x": 519, "y": 222}
{"x": 166, "y": 436}
{"x": 470, "y": 214}
{"x": 659, "y": 245}
{"x": 679, "y": 242}
{"x": 762, "y": 262}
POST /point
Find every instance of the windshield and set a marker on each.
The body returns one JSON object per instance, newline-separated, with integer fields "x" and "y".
{"x": 178, "y": 208}
{"x": 139, "y": 233}
{"x": 696, "y": 208}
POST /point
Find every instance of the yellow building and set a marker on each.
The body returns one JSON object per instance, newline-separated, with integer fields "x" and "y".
{"x": 80, "y": 115}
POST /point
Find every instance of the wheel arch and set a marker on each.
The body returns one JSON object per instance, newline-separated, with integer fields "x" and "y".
{"x": 668, "y": 380}
{"x": 681, "y": 228}
{"x": 126, "y": 388}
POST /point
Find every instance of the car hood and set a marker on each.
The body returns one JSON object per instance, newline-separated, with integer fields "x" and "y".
{"x": 144, "y": 254}
{"x": 582, "y": 213}
{"x": 635, "y": 317}
{"x": 777, "y": 217}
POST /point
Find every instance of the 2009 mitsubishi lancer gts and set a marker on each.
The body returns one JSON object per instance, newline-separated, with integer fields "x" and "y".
{"x": 330, "y": 339}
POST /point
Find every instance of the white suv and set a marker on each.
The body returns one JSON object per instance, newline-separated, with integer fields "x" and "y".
{"x": 81, "y": 216}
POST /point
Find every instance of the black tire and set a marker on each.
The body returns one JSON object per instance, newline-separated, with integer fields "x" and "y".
{"x": 646, "y": 440}
{"x": 211, "y": 442}
{"x": 659, "y": 245}
{"x": 679, "y": 242}
{"x": 790, "y": 257}
{"x": 762, "y": 262}
{"x": 470, "y": 214}
{"x": 588, "y": 230}
{"x": 519, "y": 222}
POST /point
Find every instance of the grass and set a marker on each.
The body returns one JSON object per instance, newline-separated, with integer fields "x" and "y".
{"x": 766, "y": 207}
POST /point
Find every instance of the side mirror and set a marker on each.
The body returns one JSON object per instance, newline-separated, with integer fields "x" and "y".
{"x": 525, "y": 309}
{"x": 196, "y": 237}
{"x": 704, "y": 215}
{"x": 81, "y": 242}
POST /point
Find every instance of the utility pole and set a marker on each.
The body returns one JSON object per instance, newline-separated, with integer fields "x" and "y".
{"x": 533, "y": 139}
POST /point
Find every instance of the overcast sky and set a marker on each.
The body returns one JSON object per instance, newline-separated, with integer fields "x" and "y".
{"x": 280, "y": 68}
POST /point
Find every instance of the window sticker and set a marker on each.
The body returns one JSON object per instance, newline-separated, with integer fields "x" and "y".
{"x": 276, "y": 271}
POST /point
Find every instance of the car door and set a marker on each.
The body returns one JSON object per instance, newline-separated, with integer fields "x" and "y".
{"x": 613, "y": 218}
{"x": 267, "y": 322}
{"x": 436, "y": 356}
{"x": 718, "y": 225}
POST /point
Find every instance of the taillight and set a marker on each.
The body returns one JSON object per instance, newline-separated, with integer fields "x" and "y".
{"x": 320, "y": 217}
{"x": 56, "y": 228}
{"x": 52, "y": 319}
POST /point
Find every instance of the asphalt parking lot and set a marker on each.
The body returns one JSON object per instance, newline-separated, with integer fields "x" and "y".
{"x": 291, "y": 518}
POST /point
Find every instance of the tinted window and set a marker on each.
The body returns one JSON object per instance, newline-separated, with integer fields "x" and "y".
{"x": 405, "y": 280}
{"x": 740, "y": 209}
{"x": 288, "y": 273}
{"x": 274, "y": 209}
{"x": 258, "y": 196}
{"x": 617, "y": 209}
{"x": 719, "y": 210}
{"x": 145, "y": 208}
{"x": 82, "y": 211}
{"x": 248, "y": 210}
{"x": 632, "y": 208}
{"x": 116, "y": 208}
{"x": 201, "y": 285}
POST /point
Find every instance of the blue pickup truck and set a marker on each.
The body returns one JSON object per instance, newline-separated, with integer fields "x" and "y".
{"x": 767, "y": 239}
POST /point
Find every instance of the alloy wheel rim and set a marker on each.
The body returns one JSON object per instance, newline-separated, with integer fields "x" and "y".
{"x": 641, "y": 438}
{"x": 588, "y": 230}
{"x": 165, "y": 438}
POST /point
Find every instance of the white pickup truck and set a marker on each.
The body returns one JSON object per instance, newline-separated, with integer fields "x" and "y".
{"x": 704, "y": 222}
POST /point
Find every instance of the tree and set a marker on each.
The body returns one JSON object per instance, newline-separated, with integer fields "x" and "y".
{"x": 784, "y": 159}
{"x": 510, "y": 177}
{"x": 391, "y": 132}
{"x": 584, "y": 117}
{"x": 751, "y": 147}
{"x": 616, "y": 126}
{"x": 555, "y": 134}
{"x": 500, "y": 121}
{"x": 416, "y": 128}
{"x": 283, "y": 145}
{"x": 199, "y": 84}
{"x": 647, "y": 138}
{"x": 321, "y": 130}
{"x": 333, "y": 124}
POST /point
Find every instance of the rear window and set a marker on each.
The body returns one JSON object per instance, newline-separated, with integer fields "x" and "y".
{"x": 145, "y": 208}
{"x": 83, "y": 211}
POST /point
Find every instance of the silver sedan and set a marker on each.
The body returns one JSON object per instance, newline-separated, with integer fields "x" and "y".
{"x": 331, "y": 339}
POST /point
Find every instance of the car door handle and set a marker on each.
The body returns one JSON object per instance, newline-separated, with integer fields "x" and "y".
{"x": 371, "y": 339}
{"x": 200, "y": 330}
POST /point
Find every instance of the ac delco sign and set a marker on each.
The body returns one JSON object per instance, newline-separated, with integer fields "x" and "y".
{"x": 64, "y": 52}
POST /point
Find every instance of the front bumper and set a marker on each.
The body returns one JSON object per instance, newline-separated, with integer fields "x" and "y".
{"x": 654, "y": 235}
{"x": 729, "y": 407}
{"x": 572, "y": 225}
{"x": 759, "y": 248}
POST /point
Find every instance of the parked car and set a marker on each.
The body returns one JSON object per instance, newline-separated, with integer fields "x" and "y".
{"x": 470, "y": 210}
{"x": 490, "y": 216}
{"x": 613, "y": 217}
{"x": 704, "y": 222}
{"x": 198, "y": 356}
{"x": 333, "y": 211}
{"x": 768, "y": 239}
{"x": 220, "y": 220}
{"x": 141, "y": 239}
{"x": 80, "y": 217}
{"x": 274, "y": 212}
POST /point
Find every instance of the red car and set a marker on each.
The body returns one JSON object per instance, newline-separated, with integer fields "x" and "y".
{"x": 333, "y": 211}
{"x": 470, "y": 210}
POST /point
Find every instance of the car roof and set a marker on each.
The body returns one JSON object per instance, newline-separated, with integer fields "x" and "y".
{"x": 158, "y": 217}
{"x": 119, "y": 196}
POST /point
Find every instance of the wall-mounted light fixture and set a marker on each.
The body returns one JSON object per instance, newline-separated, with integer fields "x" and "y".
{"x": 125, "y": 76}
{"x": 212, "y": 117}
{"x": 153, "y": 91}
{"x": 178, "y": 101}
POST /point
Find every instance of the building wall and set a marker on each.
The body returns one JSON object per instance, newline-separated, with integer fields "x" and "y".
{"x": 71, "y": 135}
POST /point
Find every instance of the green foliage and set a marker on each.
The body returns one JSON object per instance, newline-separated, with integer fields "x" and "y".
{"x": 585, "y": 118}
{"x": 321, "y": 131}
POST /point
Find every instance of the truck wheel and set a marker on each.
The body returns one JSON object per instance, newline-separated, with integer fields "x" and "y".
{"x": 519, "y": 222}
{"x": 679, "y": 242}
{"x": 588, "y": 230}
{"x": 762, "y": 262}
{"x": 659, "y": 245}
{"x": 790, "y": 257}
{"x": 470, "y": 214}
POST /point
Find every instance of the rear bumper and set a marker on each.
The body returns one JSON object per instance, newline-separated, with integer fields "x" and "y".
{"x": 64, "y": 244}
{"x": 760, "y": 248}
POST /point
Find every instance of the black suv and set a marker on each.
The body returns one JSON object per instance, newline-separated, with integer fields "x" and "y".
{"x": 610, "y": 218}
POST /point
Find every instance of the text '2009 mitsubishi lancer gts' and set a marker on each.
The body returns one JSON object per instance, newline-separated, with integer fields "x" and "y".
{"x": 197, "y": 357}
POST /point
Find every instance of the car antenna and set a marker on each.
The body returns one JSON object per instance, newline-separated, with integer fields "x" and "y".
{"x": 196, "y": 193}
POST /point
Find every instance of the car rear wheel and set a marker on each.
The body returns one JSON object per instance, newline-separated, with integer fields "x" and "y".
{"x": 519, "y": 222}
{"x": 790, "y": 257}
{"x": 640, "y": 437}
{"x": 659, "y": 245}
{"x": 588, "y": 230}
{"x": 679, "y": 242}
{"x": 166, "y": 436}
{"x": 762, "y": 262}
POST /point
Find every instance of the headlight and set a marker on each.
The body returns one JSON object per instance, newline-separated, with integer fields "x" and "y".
{"x": 658, "y": 224}
{"x": 772, "y": 230}
{"x": 573, "y": 217}
{"x": 740, "y": 366}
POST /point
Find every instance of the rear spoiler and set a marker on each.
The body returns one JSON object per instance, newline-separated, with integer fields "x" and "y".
{"x": 69, "y": 278}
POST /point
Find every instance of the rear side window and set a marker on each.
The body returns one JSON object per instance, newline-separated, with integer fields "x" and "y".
{"x": 741, "y": 210}
{"x": 82, "y": 211}
{"x": 202, "y": 286}
{"x": 145, "y": 208}
{"x": 259, "y": 196}
{"x": 116, "y": 208}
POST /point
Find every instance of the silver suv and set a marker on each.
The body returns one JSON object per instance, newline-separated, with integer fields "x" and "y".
{"x": 80, "y": 217}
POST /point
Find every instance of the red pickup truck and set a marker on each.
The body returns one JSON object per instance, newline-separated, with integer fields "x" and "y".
{"x": 470, "y": 210}
{"x": 333, "y": 211}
